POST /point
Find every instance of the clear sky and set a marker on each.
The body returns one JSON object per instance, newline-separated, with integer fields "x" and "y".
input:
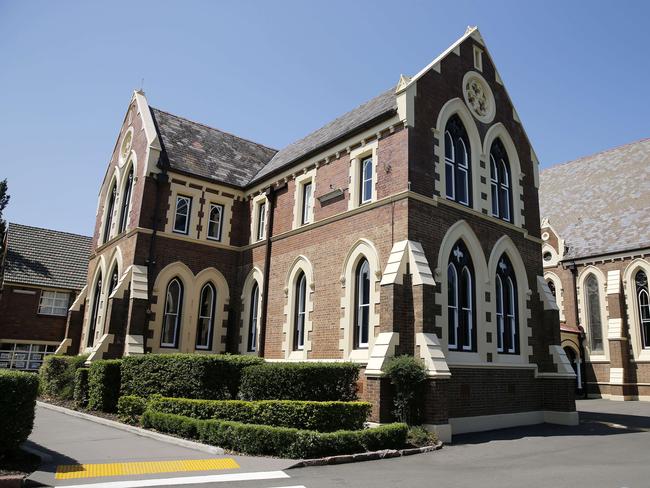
{"x": 273, "y": 71}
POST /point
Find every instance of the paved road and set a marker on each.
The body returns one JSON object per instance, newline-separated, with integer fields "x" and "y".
{"x": 610, "y": 448}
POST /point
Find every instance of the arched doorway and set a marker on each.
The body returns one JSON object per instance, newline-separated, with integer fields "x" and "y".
{"x": 575, "y": 364}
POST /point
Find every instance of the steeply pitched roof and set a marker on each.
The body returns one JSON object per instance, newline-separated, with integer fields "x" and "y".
{"x": 44, "y": 257}
{"x": 364, "y": 113}
{"x": 209, "y": 153}
{"x": 600, "y": 204}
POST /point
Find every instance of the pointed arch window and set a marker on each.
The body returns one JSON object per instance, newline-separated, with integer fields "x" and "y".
{"x": 94, "y": 315}
{"x": 461, "y": 301}
{"x": 500, "y": 182}
{"x": 366, "y": 180}
{"x": 300, "y": 313}
{"x": 507, "y": 309}
{"x": 594, "y": 316}
{"x": 551, "y": 287}
{"x": 108, "y": 217}
{"x": 205, "y": 324}
{"x": 643, "y": 303}
{"x": 114, "y": 279}
{"x": 457, "y": 162}
{"x": 172, "y": 315}
{"x": 126, "y": 201}
{"x": 252, "y": 319}
{"x": 362, "y": 301}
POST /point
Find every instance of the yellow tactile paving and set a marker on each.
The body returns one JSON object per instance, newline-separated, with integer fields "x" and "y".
{"x": 71, "y": 471}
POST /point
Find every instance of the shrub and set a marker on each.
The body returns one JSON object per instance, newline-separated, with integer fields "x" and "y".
{"x": 407, "y": 375}
{"x": 300, "y": 381}
{"x": 104, "y": 385}
{"x": 420, "y": 437}
{"x": 58, "y": 375}
{"x": 184, "y": 375}
{"x": 277, "y": 441}
{"x": 80, "y": 395}
{"x": 130, "y": 409}
{"x": 319, "y": 416}
{"x": 18, "y": 393}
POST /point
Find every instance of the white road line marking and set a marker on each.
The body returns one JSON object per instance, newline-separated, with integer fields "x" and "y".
{"x": 184, "y": 480}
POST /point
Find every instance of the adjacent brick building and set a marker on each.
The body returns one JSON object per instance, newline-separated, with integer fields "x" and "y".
{"x": 595, "y": 221}
{"x": 41, "y": 272}
{"x": 409, "y": 225}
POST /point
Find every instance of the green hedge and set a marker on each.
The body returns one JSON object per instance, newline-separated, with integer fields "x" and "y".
{"x": 319, "y": 416}
{"x": 58, "y": 375}
{"x": 300, "y": 381}
{"x": 130, "y": 408}
{"x": 277, "y": 441}
{"x": 81, "y": 387}
{"x": 104, "y": 385}
{"x": 184, "y": 375}
{"x": 18, "y": 393}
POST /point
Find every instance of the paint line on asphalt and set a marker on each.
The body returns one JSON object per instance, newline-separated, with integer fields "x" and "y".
{"x": 74, "y": 471}
{"x": 186, "y": 480}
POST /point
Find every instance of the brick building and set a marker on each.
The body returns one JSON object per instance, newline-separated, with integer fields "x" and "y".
{"x": 596, "y": 253}
{"x": 409, "y": 225}
{"x": 41, "y": 273}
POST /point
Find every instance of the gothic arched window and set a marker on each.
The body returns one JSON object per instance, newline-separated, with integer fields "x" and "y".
{"x": 114, "y": 279}
{"x": 108, "y": 216}
{"x": 458, "y": 164}
{"x": 92, "y": 324}
{"x": 594, "y": 317}
{"x": 643, "y": 302}
{"x": 506, "y": 300}
{"x": 362, "y": 301}
{"x": 461, "y": 309}
{"x": 172, "y": 314}
{"x": 300, "y": 312}
{"x": 205, "y": 322}
{"x": 500, "y": 182}
{"x": 252, "y": 319}
{"x": 126, "y": 201}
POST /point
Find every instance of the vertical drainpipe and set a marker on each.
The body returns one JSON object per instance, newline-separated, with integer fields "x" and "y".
{"x": 581, "y": 336}
{"x": 270, "y": 197}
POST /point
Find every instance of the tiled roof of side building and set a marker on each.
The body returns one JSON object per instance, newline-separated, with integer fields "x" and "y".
{"x": 47, "y": 258}
{"x": 600, "y": 204}
{"x": 209, "y": 153}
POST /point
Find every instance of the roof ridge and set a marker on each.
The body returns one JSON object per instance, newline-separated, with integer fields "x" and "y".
{"x": 10, "y": 224}
{"x": 214, "y": 128}
{"x": 597, "y": 153}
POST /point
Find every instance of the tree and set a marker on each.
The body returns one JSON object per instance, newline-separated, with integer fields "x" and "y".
{"x": 4, "y": 200}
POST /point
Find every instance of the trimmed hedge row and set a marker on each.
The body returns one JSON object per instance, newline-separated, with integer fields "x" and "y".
{"x": 81, "y": 387}
{"x": 277, "y": 441}
{"x": 18, "y": 393}
{"x": 300, "y": 381}
{"x": 130, "y": 408}
{"x": 58, "y": 375}
{"x": 185, "y": 375}
{"x": 318, "y": 416}
{"x": 104, "y": 385}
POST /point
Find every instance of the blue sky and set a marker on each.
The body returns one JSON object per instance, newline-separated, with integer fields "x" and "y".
{"x": 273, "y": 71}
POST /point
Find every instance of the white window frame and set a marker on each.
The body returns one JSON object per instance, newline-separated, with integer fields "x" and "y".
{"x": 253, "y": 319}
{"x": 300, "y": 313}
{"x": 453, "y": 309}
{"x": 357, "y": 156}
{"x": 304, "y": 214}
{"x": 22, "y": 355}
{"x": 307, "y": 202}
{"x": 188, "y": 215}
{"x": 361, "y": 306}
{"x": 178, "y": 314}
{"x": 366, "y": 163}
{"x": 222, "y": 210}
{"x": 53, "y": 297}
{"x": 261, "y": 222}
{"x": 213, "y": 292}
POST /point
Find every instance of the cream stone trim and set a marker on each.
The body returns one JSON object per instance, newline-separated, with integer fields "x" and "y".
{"x": 177, "y": 190}
{"x": 561, "y": 360}
{"x": 363, "y": 248}
{"x": 456, "y": 106}
{"x": 481, "y": 423}
{"x": 257, "y": 201}
{"x": 499, "y": 131}
{"x": 100, "y": 269}
{"x": 100, "y": 347}
{"x": 610, "y": 258}
{"x": 255, "y": 276}
{"x": 555, "y": 258}
{"x": 203, "y": 242}
{"x": 132, "y": 162}
{"x": 582, "y": 311}
{"x": 134, "y": 345}
{"x": 405, "y": 98}
{"x": 631, "y": 303}
{"x": 301, "y": 263}
{"x": 382, "y": 350}
{"x": 616, "y": 376}
{"x": 192, "y": 285}
{"x": 226, "y": 217}
{"x": 559, "y": 292}
{"x": 114, "y": 180}
{"x": 300, "y": 182}
{"x": 354, "y": 188}
{"x": 462, "y": 230}
{"x": 63, "y": 346}
{"x": 505, "y": 245}
{"x": 410, "y": 252}
{"x": 489, "y": 116}
{"x": 79, "y": 300}
{"x": 139, "y": 282}
{"x": 431, "y": 353}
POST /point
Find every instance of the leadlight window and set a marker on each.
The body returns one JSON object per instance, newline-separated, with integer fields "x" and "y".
{"x": 457, "y": 162}
{"x": 461, "y": 302}
{"x": 362, "y": 300}
{"x": 506, "y": 301}
{"x": 252, "y": 319}
{"x": 182, "y": 214}
{"x": 114, "y": 280}
{"x": 215, "y": 222}
{"x": 300, "y": 312}
{"x": 366, "y": 180}
{"x": 551, "y": 286}
{"x": 54, "y": 303}
{"x": 306, "y": 202}
{"x": 108, "y": 219}
{"x": 205, "y": 322}
{"x": 261, "y": 221}
{"x": 172, "y": 314}
{"x": 594, "y": 320}
{"x": 644, "y": 307}
{"x": 94, "y": 315}
{"x": 500, "y": 182}
{"x": 126, "y": 201}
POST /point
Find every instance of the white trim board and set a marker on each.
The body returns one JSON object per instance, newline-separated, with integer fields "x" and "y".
{"x": 481, "y": 423}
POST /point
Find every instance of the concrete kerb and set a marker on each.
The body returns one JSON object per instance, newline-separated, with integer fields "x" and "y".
{"x": 135, "y": 430}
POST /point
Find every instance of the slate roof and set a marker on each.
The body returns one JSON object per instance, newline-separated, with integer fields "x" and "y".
{"x": 44, "y": 257}
{"x": 600, "y": 204}
{"x": 209, "y": 153}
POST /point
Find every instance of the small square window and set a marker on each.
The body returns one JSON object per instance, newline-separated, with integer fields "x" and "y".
{"x": 182, "y": 214}
{"x": 215, "y": 222}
